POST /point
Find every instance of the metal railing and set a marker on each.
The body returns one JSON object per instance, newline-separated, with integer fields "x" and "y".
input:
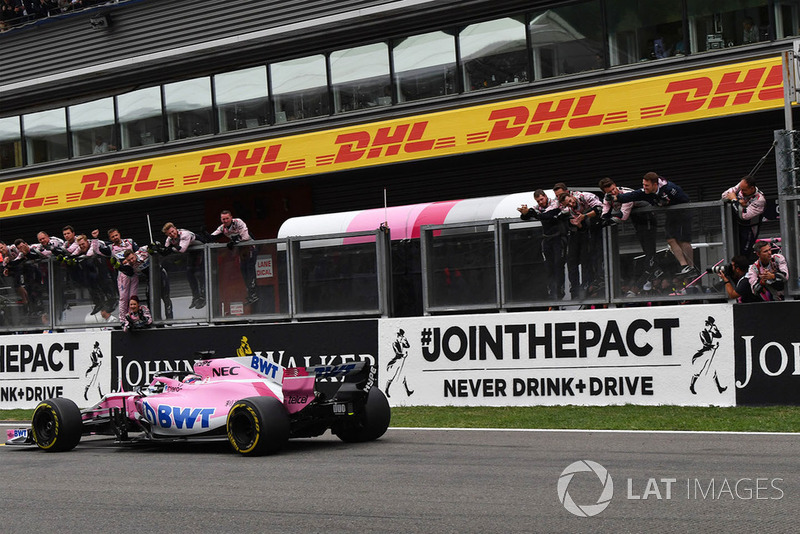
{"x": 503, "y": 264}
{"x": 497, "y": 265}
{"x": 342, "y": 275}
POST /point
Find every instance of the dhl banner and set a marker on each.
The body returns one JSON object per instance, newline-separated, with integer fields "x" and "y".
{"x": 700, "y": 94}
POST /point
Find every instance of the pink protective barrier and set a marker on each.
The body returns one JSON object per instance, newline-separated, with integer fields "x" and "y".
{"x": 405, "y": 221}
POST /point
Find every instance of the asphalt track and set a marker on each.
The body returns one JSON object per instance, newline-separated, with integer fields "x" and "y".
{"x": 410, "y": 481}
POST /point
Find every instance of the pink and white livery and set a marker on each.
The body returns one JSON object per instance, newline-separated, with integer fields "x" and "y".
{"x": 252, "y": 401}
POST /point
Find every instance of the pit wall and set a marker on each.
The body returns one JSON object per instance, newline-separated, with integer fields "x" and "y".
{"x": 644, "y": 355}
{"x": 588, "y": 357}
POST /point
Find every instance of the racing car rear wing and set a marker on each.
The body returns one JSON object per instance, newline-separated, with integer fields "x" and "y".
{"x": 327, "y": 371}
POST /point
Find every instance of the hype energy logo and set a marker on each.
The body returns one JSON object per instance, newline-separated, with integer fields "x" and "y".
{"x": 605, "y": 488}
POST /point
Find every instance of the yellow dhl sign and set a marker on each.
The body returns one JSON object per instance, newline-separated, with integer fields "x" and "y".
{"x": 685, "y": 96}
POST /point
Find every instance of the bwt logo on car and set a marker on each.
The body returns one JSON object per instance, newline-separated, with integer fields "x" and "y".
{"x": 264, "y": 366}
{"x": 166, "y": 416}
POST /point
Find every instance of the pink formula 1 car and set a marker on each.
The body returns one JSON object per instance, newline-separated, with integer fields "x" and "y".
{"x": 253, "y": 402}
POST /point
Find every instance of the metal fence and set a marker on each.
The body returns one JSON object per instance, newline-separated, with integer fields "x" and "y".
{"x": 281, "y": 279}
{"x": 502, "y": 264}
{"x": 496, "y": 265}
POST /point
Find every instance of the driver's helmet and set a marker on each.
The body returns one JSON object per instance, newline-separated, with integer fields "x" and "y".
{"x": 155, "y": 388}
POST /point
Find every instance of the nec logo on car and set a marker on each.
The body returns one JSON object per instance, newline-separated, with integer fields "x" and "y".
{"x": 225, "y": 371}
{"x": 166, "y": 416}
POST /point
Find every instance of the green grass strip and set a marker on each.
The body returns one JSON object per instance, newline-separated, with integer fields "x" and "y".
{"x": 628, "y": 417}
{"x": 16, "y": 415}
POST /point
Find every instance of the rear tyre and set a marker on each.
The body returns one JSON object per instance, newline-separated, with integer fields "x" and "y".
{"x": 370, "y": 424}
{"x": 258, "y": 426}
{"x": 57, "y": 425}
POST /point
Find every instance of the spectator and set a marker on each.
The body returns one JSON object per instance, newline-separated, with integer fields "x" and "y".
{"x": 749, "y": 31}
{"x": 138, "y": 316}
{"x": 737, "y": 285}
{"x": 748, "y": 203}
{"x": 103, "y": 317}
{"x": 27, "y": 277}
{"x": 43, "y": 8}
{"x": 767, "y": 276}
{"x": 70, "y": 5}
{"x": 137, "y": 264}
{"x": 179, "y": 240}
{"x": 581, "y": 208}
{"x": 559, "y": 188}
{"x": 92, "y": 272}
{"x": 236, "y": 231}
{"x": 90, "y": 247}
{"x": 554, "y": 242}
{"x": 644, "y": 224}
{"x": 133, "y": 264}
{"x": 29, "y": 9}
{"x": 7, "y": 253}
{"x": 678, "y": 226}
{"x": 48, "y": 246}
{"x": 118, "y": 245}
{"x": 11, "y": 260}
{"x": 101, "y": 147}
{"x": 125, "y": 283}
{"x": 11, "y": 12}
{"x": 70, "y": 246}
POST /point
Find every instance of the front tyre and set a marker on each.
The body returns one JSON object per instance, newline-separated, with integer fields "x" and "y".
{"x": 370, "y": 424}
{"x": 57, "y": 425}
{"x": 258, "y": 426}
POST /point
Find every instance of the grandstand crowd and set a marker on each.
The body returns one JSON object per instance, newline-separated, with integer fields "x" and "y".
{"x": 18, "y": 12}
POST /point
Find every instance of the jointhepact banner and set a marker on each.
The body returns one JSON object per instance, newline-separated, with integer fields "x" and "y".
{"x": 41, "y": 366}
{"x": 679, "y": 355}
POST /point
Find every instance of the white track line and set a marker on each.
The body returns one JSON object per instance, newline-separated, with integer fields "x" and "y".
{"x": 566, "y": 430}
{"x": 797, "y": 434}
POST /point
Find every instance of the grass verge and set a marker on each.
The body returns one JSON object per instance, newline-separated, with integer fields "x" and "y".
{"x": 628, "y": 417}
{"x": 16, "y": 415}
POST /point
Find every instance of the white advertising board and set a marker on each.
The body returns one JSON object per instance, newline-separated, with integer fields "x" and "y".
{"x": 679, "y": 355}
{"x": 35, "y": 367}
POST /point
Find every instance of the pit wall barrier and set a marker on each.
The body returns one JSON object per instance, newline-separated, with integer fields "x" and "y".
{"x": 640, "y": 355}
{"x": 767, "y": 348}
{"x": 36, "y": 367}
{"x": 60, "y": 362}
{"x": 588, "y": 357}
